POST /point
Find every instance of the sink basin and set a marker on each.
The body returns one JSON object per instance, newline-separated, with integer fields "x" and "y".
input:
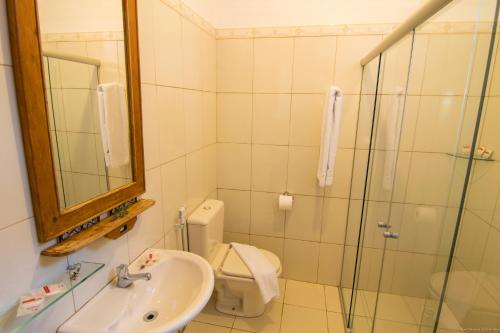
{"x": 181, "y": 286}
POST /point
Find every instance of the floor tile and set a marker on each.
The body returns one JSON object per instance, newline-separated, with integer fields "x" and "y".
{"x": 448, "y": 320}
{"x": 196, "y": 327}
{"x": 335, "y": 322}
{"x": 386, "y": 326}
{"x": 305, "y": 294}
{"x": 269, "y": 322}
{"x": 362, "y": 324}
{"x": 360, "y": 308}
{"x": 210, "y": 315}
{"x": 392, "y": 307}
{"x": 416, "y": 306}
{"x": 332, "y": 299}
{"x": 300, "y": 320}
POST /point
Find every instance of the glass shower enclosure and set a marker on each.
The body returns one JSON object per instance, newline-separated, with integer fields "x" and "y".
{"x": 422, "y": 245}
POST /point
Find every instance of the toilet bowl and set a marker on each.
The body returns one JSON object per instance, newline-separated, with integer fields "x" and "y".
{"x": 236, "y": 291}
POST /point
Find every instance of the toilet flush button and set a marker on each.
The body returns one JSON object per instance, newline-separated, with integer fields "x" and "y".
{"x": 207, "y": 207}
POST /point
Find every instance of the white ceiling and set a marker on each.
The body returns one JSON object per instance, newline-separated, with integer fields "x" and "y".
{"x": 261, "y": 13}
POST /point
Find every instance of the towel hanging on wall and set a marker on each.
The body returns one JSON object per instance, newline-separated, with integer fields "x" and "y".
{"x": 330, "y": 131}
{"x": 113, "y": 119}
{"x": 391, "y": 125}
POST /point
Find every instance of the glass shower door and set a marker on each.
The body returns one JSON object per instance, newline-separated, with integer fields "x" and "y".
{"x": 423, "y": 121}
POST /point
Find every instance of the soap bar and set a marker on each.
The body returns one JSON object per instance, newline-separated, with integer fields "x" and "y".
{"x": 52, "y": 289}
{"x": 30, "y": 304}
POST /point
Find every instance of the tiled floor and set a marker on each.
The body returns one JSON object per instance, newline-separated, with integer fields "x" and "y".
{"x": 395, "y": 313}
{"x": 307, "y": 307}
{"x": 302, "y": 307}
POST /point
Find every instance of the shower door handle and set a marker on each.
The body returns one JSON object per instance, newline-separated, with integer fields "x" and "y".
{"x": 385, "y": 225}
{"x": 393, "y": 235}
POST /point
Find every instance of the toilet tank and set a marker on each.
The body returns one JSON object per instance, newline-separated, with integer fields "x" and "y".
{"x": 205, "y": 228}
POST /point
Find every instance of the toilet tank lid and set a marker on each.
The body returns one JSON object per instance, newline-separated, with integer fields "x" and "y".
{"x": 205, "y": 212}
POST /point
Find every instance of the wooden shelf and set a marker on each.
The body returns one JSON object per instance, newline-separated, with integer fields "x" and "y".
{"x": 112, "y": 226}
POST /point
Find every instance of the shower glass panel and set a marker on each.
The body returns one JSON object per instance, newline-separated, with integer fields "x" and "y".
{"x": 469, "y": 280}
{"x": 422, "y": 124}
{"x": 352, "y": 304}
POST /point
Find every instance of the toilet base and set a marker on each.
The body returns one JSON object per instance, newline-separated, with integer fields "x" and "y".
{"x": 239, "y": 297}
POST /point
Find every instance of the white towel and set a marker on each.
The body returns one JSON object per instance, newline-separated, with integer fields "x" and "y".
{"x": 391, "y": 127}
{"x": 330, "y": 131}
{"x": 113, "y": 118}
{"x": 262, "y": 270}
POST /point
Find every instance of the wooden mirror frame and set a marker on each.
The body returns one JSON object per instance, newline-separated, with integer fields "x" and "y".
{"x": 51, "y": 219}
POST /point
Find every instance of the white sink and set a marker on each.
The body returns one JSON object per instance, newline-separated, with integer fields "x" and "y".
{"x": 181, "y": 286}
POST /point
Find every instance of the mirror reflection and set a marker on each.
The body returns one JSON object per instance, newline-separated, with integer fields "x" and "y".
{"x": 85, "y": 80}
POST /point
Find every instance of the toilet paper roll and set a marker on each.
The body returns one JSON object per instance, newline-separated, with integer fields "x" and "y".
{"x": 285, "y": 202}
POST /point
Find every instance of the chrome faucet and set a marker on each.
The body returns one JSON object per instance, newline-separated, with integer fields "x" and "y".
{"x": 125, "y": 279}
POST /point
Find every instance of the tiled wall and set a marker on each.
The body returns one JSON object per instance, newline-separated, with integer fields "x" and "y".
{"x": 270, "y": 94}
{"x": 178, "y": 93}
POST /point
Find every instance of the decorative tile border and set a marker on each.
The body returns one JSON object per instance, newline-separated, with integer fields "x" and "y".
{"x": 83, "y": 36}
{"x": 190, "y": 15}
{"x": 348, "y": 30}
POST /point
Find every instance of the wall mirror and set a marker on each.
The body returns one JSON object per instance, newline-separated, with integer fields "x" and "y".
{"x": 78, "y": 89}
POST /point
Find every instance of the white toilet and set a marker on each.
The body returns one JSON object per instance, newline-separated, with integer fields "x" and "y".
{"x": 236, "y": 290}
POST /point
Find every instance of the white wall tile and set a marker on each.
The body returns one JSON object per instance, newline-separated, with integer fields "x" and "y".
{"x": 150, "y": 126}
{"x": 192, "y": 59}
{"x": 167, "y": 45}
{"x": 149, "y": 227}
{"x": 16, "y": 201}
{"x": 271, "y": 118}
{"x": 267, "y": 219}
{"x": 193, "y": 109}
{"x": 306, "y": 119}
{"x": 24, "y": 269}
{"x": 236, "y": 210}
{"x": 174, "y": 191}
{"x": 269, "y": 168}
{"x": 313, "y": 64}
{"x": 230, "y": 237}
{"x": 330, "y": 264}
{"x": 302, "y": 170}
{"x": 301, "y": 260}
{"x": 172, "y": 118}
{"x": 304, "y": 220}
{"x": 209, "y": 118}
{"x": 145, "y": 17}
{"x": 234, "y": 118}
{"x": 233, "y": 166}
{"x": 273, "y": 58}
{"x": 234, "y": 65}
{"x": 350, "y": 49}
{"x": 334, "y": 220}
{"x": 272, "y": 244}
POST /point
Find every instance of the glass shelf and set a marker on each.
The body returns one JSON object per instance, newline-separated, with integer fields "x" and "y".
{"x": 475, "y": 157}
{"x": 10, "y": 323}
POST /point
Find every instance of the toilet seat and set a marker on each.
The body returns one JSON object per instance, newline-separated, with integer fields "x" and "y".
{"x": 234, "y": 266}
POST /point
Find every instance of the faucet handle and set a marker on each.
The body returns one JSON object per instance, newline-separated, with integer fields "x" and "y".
{"x": 121, "y": 270}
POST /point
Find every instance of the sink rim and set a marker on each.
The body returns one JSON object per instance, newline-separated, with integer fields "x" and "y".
{"x": 185, "y": 315}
